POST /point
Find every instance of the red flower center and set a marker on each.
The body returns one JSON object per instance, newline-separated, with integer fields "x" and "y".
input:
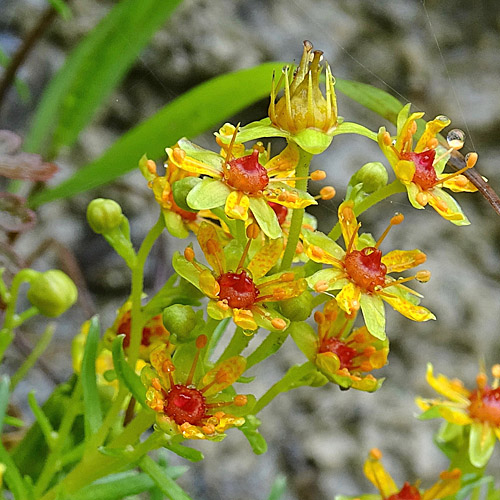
{"x": 365, "y": 268}
{"x": 485, "y": 405}
{"x": 238, "y": 289}
{"x": 247, "y": 174}
{"x": 407, "y": 492}
{"x": 425, "y": 173}
{"x": 345, "y": 353}
{"x": 147, "y": 332}
{"x": 280, "y": 210}
{"x": 184, "y": 404}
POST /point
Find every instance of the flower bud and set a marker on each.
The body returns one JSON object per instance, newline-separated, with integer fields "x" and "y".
{"x": 372, "y": 175}
{"x": 104, "y": 215}
{"x": 180, "y": 190}
{"x": 297, "y": 308}
{"x": 52, "y": 292}
{"x": 179, "y": 320}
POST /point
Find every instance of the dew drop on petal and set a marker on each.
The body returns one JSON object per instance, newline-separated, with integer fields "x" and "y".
{"x": 442, "y": 118}
{"x": 248, "y": 333}
{"x": 455, "y": 138}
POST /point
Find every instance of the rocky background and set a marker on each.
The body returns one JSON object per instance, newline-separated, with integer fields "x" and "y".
{"x": 444, "y": 57}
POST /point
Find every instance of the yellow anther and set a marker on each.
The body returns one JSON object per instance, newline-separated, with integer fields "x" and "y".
{"x": 495, "y": 370}
{"x": 422, "y": 199}
{"x": 321, "y": 286}
{"x": 151, "y": 166}
{"x": 240, "y": 400}
{"x": 223, "y": 305}
{"x": 178, "y": 154}
{"x": 278, "y": 323}
{"x": 318, "y": 175}
{"x": 253, "y": 231}
{"x": 423, "y": 276}
{"x": 189, "y": 254}
{"x": 397, "y": 219}
{"x": 471, "y": 159}
{"x": 327, "y": 192}
{"x": 375, "y": 453}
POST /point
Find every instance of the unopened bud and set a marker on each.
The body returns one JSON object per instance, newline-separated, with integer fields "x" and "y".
{"x": 179, "y": 320}
{"x": 372, "y": 175}
{"x": 104, "y": 215}
{"x": 53, "y": 293}
{"x": 298, "y": 308}
{"x": 180, "y": 190}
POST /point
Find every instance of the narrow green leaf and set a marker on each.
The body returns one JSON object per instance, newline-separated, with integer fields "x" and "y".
{"x": 190, "y": 454}
{"x": 370, "y": 97}
{"x": 278, "y": 489}
{"x": 251, "y": 432}
{"x": 92, "y": 71}
{"x": 41, "y": 418}
{"x": 194, "y": 112}
{"x": 125, "y": 374}
{"x": 62, "y": 9}
{"x": 4, "y": 398}
{"x": 166, "y": 484}
{"x": 92, "y": 414}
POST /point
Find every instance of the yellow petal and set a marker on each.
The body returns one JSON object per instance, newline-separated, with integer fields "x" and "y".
{"x": 432, "y": 128}
{"x": 406, "y": 308}
{"x": 266, "y": 258}
{"x": 223, "y": 375}
{"x": 401, "y": 260}
{"x": 454, "y": 415}
{"x": 379, "y": 477}
{"x": 285, "y": 163}
{"x": 189, "y": 164}
{"x": 459, "y": 184}
{"x": 328, "y": 362}
{"x": 454, "y": 390}
{"x": 405, "y": 136}
{"x": 237, "y": 205}
{"x": 348, "y": 223}
{"x": 348, "y": 298}
{"x": 244, "y": 319}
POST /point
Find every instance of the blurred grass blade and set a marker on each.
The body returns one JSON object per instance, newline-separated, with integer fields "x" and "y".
{"x": 92, "y": 71}
{"x": 43, "y": 421}
{"x": 62, "y": 9}
{"x": 373, "y": 98}
{"x": 165, "y": 483}
{"x": 194, "y": 112}
{"x": 125, "y": 374}
{"x": 92, "y": 414}
{"x": 278, "y": 489}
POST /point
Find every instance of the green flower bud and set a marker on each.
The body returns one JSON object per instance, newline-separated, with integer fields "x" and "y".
{"x": 180, "y": 190}
{"x": 52, "y": 292}
{"x": 104, "y": 215}
{"x": 298, "y": 308}
{"x": 372, "y": 175}
{"x": 179, "y": 320}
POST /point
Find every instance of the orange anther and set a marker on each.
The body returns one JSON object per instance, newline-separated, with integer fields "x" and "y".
{"x": 223, "y": 305}
{"x": 461, "y": 180}
{"x": 368, "y": 350}
{"x": 208, "y": 429}
{"x": 375, "y": 453}
{"x": 327, "y": 192}
{"x": 219, "y": 415}
{"x": 300, "y": 248}
{"x": 422, "y": 199}
{"x": 287, "y": 277}
{"x": 201, "y": 341}
{"x": 413, "y": 127}
{"x": 317, "y": 251}
{"x": 397, "y": 219}
{"x": 292, "y": 197}
{"x": 423, "y": 276}
{"x": 450, "y": 474}
{"x": 185, "y": 426}
{"x": 253, "y": 231}
{"x": 355, "y": 305}
{"x": 321, "y": 286}
{"x": 319, "y": 317}
{"x": 278, "y": 323}
{"x": 212, "y": 247}
{"x": 366, "y": 366}
{"x": 387, "y": 138}
{"x": 441, "y": 204}
{"x": 168, "y": 366}
{"x": 471, "y": 159}
{"x": 156, "y": 384}
{"x": 495, "y": 370}
{"x": 318, "y": 175}
{"x": 178, "y": 154}
{"x": 282, "y": 196}
{"x": 481, "y": 380}
{"x": 189, "y": 254}
{"x": 432, "y": 143}
{"x": 151, "y": 166}
{"x": 240, "y": 400}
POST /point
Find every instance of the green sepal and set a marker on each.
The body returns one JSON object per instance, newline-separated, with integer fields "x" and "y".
{"x": 215, "y": 312}
{"x": 305, "y": 337}
{"x": 324, "y": 242}
{"x": 204, "y": 155}
{"x": 208, "y": 194}
{"x": 432, "y": 412}
{"x": 174, "y": 224}
{"x": 481, "y": 443}
{"x": 333, "y": 277}
{"x": 354, "y": 128}
{"x": 186, "y": 269}
{"x": 265, "y": 321}
{"x": 311, "y": 140}
{"x": 250, "y": 431}
{"x": 265, "y": 217}
{"x": 126, "y": 375}
{"x": 180, "y": 190}
{"x": 372, "y": 307}
{"x": 255, "y": 130}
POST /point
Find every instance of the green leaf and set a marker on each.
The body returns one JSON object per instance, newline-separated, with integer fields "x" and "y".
{"x": 62, "y": 9}
{"x": 278, "y": 489}
{"x": 373, "y": 311}
{"x": 250, "y": 430}
{"x": 481, "y": 444}
{"x": 92, "y": 404}
{"x": 189, "y": 115}
{"x": 354, "y": 128}
{"x": 207, "y": 194}
{"x": 125, "y": 374}
{"x": 166, "y": 484}
{"x": 370, "y": 97}
{"x": 43, "y": 421}
{"x": 91, "y": 72}
{"x": 183, "y": 451}
{"x": 265, "y": 217}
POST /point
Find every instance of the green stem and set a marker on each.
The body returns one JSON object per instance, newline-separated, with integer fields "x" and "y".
{"x": 302, "y": 170}
{"x": 241, "y": 234}
{"x": 38, "y": 350}
{"x": 379, "y": 195}
{"x": 19, "y": 319}
{"x": 138, "y": 320}
{"x": 268, "y": 346}
{"x": 236, "y": 345}
{"x": 215, "y": 331}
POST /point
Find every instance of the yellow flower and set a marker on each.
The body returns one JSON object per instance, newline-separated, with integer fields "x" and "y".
{"x": 448, "y": 484}
{"x": 419, "y": 169}
{"x": 479, "y": 409}
{"x": 240, "y": 291}
{"x": 242, "y": 181}
{"x": 190, "y": 403}
{"x": 361, "y": 273}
